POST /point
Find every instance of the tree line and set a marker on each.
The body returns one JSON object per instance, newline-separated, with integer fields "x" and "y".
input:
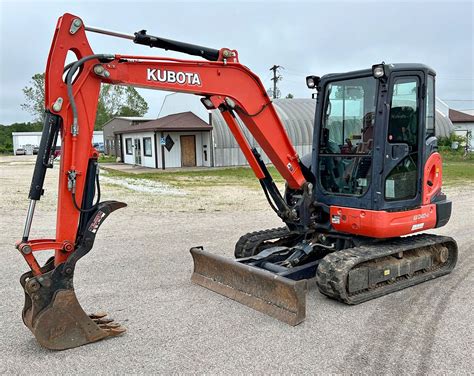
{"x": 114, "y": 101}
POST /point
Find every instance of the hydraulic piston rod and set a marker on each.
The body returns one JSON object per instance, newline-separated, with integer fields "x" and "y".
{"x": 141, "y": 37}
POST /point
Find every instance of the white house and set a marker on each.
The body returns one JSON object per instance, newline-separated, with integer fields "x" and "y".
{"x": 177, "y": 140}
{"x": 463, "y": 125}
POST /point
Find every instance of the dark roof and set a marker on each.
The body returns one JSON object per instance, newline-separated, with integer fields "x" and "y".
{"x": 183, "y": 121}
{"x": 460, "y": 117}
{"x": 119, "y": 123}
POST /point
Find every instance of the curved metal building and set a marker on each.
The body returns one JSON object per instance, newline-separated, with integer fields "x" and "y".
{"x": 297, "y": 116}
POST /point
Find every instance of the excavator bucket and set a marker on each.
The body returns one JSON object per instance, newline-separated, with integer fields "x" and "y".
{"x": 274, "y": 295}
{"x": 52, "y": 311}
{"x": 56, "y": 318}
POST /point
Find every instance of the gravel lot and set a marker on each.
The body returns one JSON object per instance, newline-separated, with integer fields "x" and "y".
{"x": 140, "y": 268}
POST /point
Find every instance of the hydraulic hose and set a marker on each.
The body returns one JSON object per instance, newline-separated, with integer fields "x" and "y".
{"x": 93, "y": 207}
{"x": 72, "y": 70}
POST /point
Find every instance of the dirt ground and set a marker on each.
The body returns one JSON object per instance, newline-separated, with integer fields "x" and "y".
{"x": 139, "y": 271}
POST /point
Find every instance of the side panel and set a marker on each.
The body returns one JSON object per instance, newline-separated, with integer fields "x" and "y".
{"x": 382, "y": 224}
{"x": 432, "y": 177}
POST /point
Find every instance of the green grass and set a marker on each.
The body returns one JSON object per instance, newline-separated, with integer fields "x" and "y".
{"x": 106, "y": 158}
{"x": 456, "y": 155}
{"x": 232, "y": 176}
{"x": 456, "y": 171}
{"x": 458, "y": 168}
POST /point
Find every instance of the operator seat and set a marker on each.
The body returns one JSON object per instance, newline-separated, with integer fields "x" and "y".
{"x": 402, "y": 125}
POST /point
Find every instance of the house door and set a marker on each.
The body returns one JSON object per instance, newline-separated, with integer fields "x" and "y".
{"x": 138, "y": 151}
{"x": 188, "y": 151}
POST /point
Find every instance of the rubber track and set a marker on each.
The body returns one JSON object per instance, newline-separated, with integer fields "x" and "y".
{"x": 248, "y": 244}
{"x": 333, "y": 270}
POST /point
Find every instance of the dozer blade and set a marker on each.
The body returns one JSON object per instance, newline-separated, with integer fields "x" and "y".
{"x": 276, "y": 296}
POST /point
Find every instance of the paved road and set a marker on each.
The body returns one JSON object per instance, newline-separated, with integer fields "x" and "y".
{"x": 140, "y": 272}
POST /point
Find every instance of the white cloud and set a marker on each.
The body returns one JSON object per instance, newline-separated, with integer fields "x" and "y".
{"x": 304, "y": 37}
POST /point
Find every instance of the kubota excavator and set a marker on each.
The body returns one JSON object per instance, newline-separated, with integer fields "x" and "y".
{"x": 374, "y": 175}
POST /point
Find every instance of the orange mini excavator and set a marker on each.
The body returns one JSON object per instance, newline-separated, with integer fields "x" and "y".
{"x": 374, "y": 175}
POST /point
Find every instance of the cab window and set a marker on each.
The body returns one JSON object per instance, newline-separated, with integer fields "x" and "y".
{"x": 401, "y": 182}
{"x": 430, "y": 107}
{"x": 346, "y": 140}
{"x": 403, "y": 123}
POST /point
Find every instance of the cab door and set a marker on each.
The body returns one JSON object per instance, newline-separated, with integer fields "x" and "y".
{"x": 403, "y": 157}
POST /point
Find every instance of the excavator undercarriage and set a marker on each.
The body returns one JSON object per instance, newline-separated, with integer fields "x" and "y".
{"x": 280, "y": 268}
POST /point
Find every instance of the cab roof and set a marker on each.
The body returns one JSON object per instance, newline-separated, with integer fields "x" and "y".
{"x": 398, "y": 67}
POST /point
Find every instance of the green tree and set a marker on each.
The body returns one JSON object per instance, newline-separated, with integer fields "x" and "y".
{"x": 114, "y": 101}
{"x": 34, "y": 97}
{"x": 6, "y": 145}
{"x": 351, "y": 92}
{"x": 290, "y": 96}
{"x": 117, "y": 100}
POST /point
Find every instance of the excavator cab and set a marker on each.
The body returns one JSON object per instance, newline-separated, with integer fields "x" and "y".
{"x": 373, "y": 137}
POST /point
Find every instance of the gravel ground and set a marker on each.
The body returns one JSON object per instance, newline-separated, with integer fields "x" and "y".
{"x": 140, "y": 268}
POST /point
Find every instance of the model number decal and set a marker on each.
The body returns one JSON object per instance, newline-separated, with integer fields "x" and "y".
{"x": 417, "y": 226}
{"x": 421, "y": 216}
{"x": 173, "y": 77}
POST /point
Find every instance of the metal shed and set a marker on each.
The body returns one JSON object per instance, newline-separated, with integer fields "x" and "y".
{"x": 297, "y": 116}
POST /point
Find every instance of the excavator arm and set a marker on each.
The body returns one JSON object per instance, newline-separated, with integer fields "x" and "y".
{"x": 225, "y": 84}
{"x": 71, "y": 99}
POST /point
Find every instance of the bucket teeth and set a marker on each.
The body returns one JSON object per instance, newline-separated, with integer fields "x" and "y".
{"x": 102, "y": 319}
{"x": 98, "y": 315}
{"x": 54, "y": 315}
{"x": 112, "y": 328}
{"x": 107, "y": 324}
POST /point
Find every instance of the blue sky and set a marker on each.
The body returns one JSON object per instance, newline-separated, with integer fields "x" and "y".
{"x": 304, "y": 37}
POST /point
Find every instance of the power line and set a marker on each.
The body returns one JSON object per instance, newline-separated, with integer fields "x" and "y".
{"x": 455, "y": 79}
{"x": 458, "y": 100}
{"x": 276, "y": 77}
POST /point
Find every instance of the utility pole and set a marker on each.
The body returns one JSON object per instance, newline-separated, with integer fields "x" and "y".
{"x": 276, "y": 77}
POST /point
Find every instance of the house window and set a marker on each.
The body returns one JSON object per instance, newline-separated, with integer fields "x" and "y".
{"x": 128, "y": 146}
{"x": 147, "y": 146}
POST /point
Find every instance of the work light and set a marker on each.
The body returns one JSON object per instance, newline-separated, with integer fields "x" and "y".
{"x": 312, "y": 81}
{"x": 378, "y": 71}
{"x": 206, "y": 101}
